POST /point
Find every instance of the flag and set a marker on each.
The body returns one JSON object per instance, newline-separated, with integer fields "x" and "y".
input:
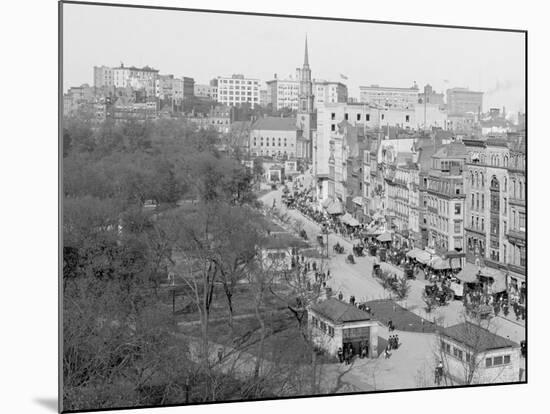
{"x": 343, "y": 76}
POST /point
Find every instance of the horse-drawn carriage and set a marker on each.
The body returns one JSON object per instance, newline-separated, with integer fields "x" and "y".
{"x": 372, "y": 250}
{"x": 408, "y": 271}
{"x": 358, "y": 250}
{"x": 338, "y": 248}
{"x": 479, "y": 312}
{"x": 350, "y": 259}
{"x": 441, "y": 295}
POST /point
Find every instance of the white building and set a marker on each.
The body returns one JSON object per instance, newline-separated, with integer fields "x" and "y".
{"x": 137, "y": 78}
{"x": 472, "y": 354}
{"x": 389, "y": 97}
{"x": 329, "y": 115}
{"x": 284, "y": 93}
{"x": 329, "y": 92}
{"x": 237, "y": 89}
{"x": 274, "y": 137}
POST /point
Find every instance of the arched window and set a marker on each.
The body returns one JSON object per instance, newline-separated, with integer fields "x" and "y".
{"x": 482, "y": 179}
{"x": 494, "y": 183}
{"x": 472, "y": 178}
{"x": 506, "y": 160}
{"x": 505, "y": 184}
{"x": 514, "y": 188}
{"x": 477, "y": 180}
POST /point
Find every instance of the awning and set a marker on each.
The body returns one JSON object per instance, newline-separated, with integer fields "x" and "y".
{"x": 384, "y": 237}
{"x": 499, "y": 278}
{"x": 468, "y": 273}
{"x": 358, "y": 200}
{"x": 437, "y": 263}
{"x": 377, "y": 216}
{"x": 349, "y": 220}
{"x": 335, "y": 207}
{"x": 421, "y": 256}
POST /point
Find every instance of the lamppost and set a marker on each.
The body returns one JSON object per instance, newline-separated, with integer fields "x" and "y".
{"x": 325, "y": 232}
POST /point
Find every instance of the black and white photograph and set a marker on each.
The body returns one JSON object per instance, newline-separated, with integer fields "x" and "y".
{"x": 266, "y": 206}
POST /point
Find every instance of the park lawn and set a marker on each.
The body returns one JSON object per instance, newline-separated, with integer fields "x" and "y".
{"x": 284, "y": 342}
{"x": 382, "y": 310}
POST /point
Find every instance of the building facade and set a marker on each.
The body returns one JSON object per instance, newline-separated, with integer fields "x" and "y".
{"x": 461, "y": 101}
{"x": 495, "y": 209}
{"x": 389, "y": 97}
{"x": 103, "y": 77}
{"x": 237, "y": 90}
{"x": 445, "y": 199}
{"x": 137, "y": 78}
{"x": 273, "y": 137}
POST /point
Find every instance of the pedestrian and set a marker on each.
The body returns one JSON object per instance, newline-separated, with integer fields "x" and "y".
{"x": 396, "y": 341}
{"x": 328, "y": 273}
{"x": 340, "y": 355}
{"x": 340, "y": 296}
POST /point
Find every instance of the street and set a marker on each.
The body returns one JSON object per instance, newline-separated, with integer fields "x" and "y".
{"x": 357, "y": 279}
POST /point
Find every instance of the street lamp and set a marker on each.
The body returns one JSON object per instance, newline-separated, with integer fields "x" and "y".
{"x": 325, "y": 232}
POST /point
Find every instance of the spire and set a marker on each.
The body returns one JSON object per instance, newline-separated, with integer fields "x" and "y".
{"x": 306, "y": 60}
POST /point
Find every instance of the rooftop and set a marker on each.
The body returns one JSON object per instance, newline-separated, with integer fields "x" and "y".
{"x": 477, "y": 338}
{"x": 272, "y": 123}
{"x": 339, "y": 312}
{"x": 452, "y": 150}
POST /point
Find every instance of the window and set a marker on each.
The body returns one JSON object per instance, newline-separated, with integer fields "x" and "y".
{"x": 333, "y": 116}
{"x": 333, "y": 127}
{"x": 407, "y": 118}
{"x": 482, "y": 201}
{"x": 482, "y": 224}
{"x": 382, "y": 117}
{"x": 457, "y": 208}
{"x": 468, "y": 357}
{"x": 522, "y": 221}
{"x": 473, "y": 202}
{"x": 331, "y": 331}
{"x": 506, "y": 359}
{"x": 488, "y": 362}
{"x": 497, "y": 360}
{"x": 358, "y": 117}
{"x": 367, "y": 117}
{"x": 448, "y": 349}
{"x": 458, "y": 226}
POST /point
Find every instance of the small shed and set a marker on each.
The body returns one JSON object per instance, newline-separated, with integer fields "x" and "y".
{"x": 474, "y": 355}
{"x": 335, "y": 324}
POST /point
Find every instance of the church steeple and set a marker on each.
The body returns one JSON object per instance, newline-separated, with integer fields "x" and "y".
{"x": 306, "y": 60}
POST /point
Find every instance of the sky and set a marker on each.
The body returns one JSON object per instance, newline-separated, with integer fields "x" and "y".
{"x": 207, "y": 45}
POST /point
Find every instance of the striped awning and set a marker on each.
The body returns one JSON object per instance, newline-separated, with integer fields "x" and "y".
{"x": 358, "y": 201}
